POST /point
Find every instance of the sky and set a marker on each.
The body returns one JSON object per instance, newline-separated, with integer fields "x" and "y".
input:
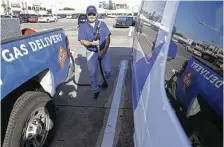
{"x": 191, "y": 12}
{"x": 80, "y": 4}
{"x": 188, "y": 16}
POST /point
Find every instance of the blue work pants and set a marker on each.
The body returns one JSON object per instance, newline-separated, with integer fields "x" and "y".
{"x": 92, "y": 63}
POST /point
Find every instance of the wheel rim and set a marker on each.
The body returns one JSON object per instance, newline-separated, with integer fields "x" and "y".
{"x": 196, "y": 140}
{"x": 36, "y": 128}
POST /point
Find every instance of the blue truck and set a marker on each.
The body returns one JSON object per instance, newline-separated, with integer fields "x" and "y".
{"x": 196, "y": 94}
{"x": 33, "y": 66}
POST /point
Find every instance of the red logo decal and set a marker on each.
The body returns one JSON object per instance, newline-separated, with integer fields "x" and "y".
{"x": 62, "y": 55}
{"x": 187, "y": 78}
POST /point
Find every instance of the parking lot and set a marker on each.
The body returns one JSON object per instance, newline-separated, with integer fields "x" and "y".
{"x": 81, "y": 120}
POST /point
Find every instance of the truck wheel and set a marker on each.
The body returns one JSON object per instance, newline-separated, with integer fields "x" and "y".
{"x": 203, "y": 133}
{"x": 31, "y": 121}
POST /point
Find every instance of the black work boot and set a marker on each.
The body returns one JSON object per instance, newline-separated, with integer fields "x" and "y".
{"x": 95, "y": 95}
{"x": 104, "y": 85}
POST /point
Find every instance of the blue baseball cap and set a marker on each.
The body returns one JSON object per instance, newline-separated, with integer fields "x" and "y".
{"x": 91, "y": 9}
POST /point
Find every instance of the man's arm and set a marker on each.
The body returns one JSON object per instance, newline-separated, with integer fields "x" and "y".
{"x": 89, "y": 43}
{"x": 104, "y": 50}
{"x": 107, "y": 34}
{"x": 107, "y": 43}
{"x": 83, "y": 38}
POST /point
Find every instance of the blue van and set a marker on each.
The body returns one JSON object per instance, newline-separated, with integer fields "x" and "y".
{"x": 177, "y": 96}
{"x": 124, "y": 22}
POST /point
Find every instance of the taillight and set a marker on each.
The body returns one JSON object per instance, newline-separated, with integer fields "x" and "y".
{"x": 28, "y": 31}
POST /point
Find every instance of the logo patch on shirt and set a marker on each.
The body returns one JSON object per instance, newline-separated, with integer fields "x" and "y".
{"x": 187, "y": 78}
{"x": 62, "y": 55}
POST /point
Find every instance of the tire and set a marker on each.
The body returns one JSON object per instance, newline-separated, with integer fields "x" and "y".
{"x": 28, "y": 106}
{"x": 48, "y": 21}
{"x": 206, "y": 132}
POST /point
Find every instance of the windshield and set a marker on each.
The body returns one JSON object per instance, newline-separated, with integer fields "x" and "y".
{"x": 121, "y": 18}
{"x": 82, "y": 17}
{"x": 5, "y": 16}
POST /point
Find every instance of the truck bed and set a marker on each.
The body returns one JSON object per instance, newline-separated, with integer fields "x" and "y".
{"x": 210, "y": 65}
{"x": 26, "y": 56}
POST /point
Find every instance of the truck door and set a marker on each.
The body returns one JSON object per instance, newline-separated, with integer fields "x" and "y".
{"x": 155, "y": 123}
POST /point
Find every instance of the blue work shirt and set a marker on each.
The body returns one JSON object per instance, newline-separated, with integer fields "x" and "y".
{"x": 87, "y": 32}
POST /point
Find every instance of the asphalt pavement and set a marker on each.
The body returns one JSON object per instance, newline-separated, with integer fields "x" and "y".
{"x": 81, "y": 120}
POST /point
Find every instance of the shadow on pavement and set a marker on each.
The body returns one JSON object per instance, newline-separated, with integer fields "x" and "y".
{"x": 80, "y": 118}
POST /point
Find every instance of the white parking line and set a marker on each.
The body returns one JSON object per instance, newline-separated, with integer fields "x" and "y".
{"x": 112, "y": 118}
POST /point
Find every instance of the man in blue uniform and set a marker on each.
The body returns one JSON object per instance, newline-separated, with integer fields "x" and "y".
{"x": 86, "y": 36}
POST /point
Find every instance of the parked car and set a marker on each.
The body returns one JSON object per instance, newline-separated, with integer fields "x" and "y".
{"x": 57, "y": 16}
{"x": 124, "y": 22}
{"x": 23, "y": 18}
{"x": 5, "y": 16}
{"x": 82, "y": 18}
{"x": 74, "y": 16}
{"x": 69, "y": 16}
{"x": 190, "y": 48}
{"x": 62, "y": 15}
{"x": 47, "y": 18}
{"x": 11, "y": 16}
{"x": 33, "y": 18}
{"x": 102, "y": 16}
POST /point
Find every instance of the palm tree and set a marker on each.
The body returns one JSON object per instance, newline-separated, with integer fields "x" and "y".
{"x": 49, "y": 11}
{"x": 8, "y": 9}
{"x": 23, "y": 9}
{"x": 4, "y": 6}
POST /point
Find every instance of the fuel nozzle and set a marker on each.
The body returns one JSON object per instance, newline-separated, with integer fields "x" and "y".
{"x": 98, "y": 38}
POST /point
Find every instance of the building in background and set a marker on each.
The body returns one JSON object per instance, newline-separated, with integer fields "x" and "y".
{"x": 22, "y": 7}
{"x": 121, "y": 6}
{"x": 111, "y": 5}
{"x": 16, "y": 8}
{"x": 35, "y": 8}
{"x": 118, "y": 9}
{"x": 105, "y": 5}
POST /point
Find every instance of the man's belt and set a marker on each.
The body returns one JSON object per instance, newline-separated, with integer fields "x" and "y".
{"x": 92, "y": 51}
